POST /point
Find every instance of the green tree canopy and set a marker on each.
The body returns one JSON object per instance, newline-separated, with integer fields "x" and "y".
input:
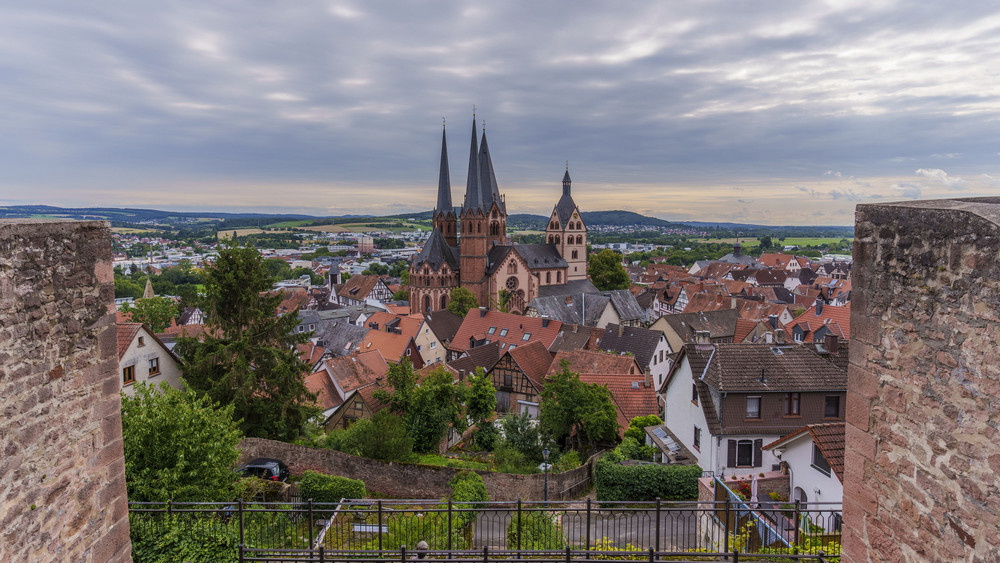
{"x": 460, "y": 300}
{"x": 247, "y": 357}
{"x": 277, "y": 269}
{"x": 482, "y": 400}
{"x": 178, "y": 446}
{"x": 606, "y": 271}
{"x": 572, "y": 408}
{"x": 427, "y": 408}
{"x": 154, "y": 312}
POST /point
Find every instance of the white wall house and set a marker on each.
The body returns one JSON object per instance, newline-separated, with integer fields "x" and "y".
{"x": 814, "y": 456}
{"x": 142, "y": 357}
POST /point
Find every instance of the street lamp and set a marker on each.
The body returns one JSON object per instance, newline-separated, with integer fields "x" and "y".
{"x": 545, "y": 458}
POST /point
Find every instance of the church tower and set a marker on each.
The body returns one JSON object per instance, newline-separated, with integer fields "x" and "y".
{"x": 568, "y": 233}
{"x": 483, "y": 220}
{"x": 444, "y": 213}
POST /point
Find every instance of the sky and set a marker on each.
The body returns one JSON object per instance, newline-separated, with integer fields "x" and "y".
{"x": 784, "y": 113}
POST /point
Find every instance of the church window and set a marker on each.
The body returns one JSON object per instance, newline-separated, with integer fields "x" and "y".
{"x": 511, "y": 283}
{"x": 575, "y": 254}
{"x": 558, "y": 277}
{"x": 579, "y": 239}
{"x": 444, "y": 302}
{"x": 427, "y": 303}
{"x": 548, "y": 277}
{"x": 512, "y": 267}
{"x": 479, "y": 228}
{"x": 557, "y": 239}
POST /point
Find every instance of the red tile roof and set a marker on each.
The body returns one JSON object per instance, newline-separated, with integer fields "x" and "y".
{"x": 534, "y": 360}
{"x": 829, "y": 437}
{"x": 506, "y": 328}
{"x": 326, "y": 393}
{"x": 126, "y": 333}
{"x": 310, "y": 353}
{"x": 353, "y": 371}
{"x": 837, "y": 319}
{"x": 408, "y": 326}
{"x": 631, "y": 400}
{"x": 358, "y": 287}
{"x": 596, "y": 363}
{"x": 392, "y": 346}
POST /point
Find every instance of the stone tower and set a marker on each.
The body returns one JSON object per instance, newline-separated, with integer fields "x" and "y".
{"x": 568, "y": 232}
{"x": 483, "y": 219}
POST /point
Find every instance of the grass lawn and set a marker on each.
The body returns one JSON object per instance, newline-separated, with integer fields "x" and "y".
{"x": 442, "y": 461}
{"x": 789, "y": 241}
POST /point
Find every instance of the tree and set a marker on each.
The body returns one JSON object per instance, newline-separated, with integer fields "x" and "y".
{"x": 401, "y": 295}
{"x": 247, "y": 357}
{"x": 178, "y": 446}
{"x": 605, "y": 270}
{"x": 460, "y": 300}
{"x": 765, "y": 242}
{"x": 125, "y": 287}
{"x": 154, "y": 312}
{"x": 384, "y": 437}
{"x": 570, "y": 406}
{"x": 278, "y": 269}
{"x": 428, "y": 408}
{"x": 637, "y": 425}
{"x": 482, "y": 401}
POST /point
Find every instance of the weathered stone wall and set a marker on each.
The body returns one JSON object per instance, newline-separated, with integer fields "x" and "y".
{"x": 407, "y": 480}
{"x": 922, "y": 457}
{"x": 62, "y": 494}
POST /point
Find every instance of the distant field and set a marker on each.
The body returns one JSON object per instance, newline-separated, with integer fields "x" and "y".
{"x": 527, "y": 232}
{"x": 789, "y": 241}
{"x": 291, "y": 224}
{"x": 128, "y": 230}
{"x": 228, "y": 233}
{"x": 363, "y": 228}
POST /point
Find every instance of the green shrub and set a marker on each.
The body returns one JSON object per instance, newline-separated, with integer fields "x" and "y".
{"x": 632, "y": 449}
{"x": 615, "y": 482}
{"x": 508, "y": 459}
{"x": 487, "y": 436}
{"x": 468, "y": 486}
{"x": 538, "y": 531}
{"x": 330, "y": 488}
{"x": 567, "y": 461}
{"x": 636, "y": 425}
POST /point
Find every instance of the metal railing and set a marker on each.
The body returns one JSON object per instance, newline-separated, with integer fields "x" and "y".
{"x": 384, "y": 530}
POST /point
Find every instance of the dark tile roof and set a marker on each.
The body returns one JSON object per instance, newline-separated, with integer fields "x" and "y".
{"x": 708, "y": 407}
{"x": 625, "y": 304}
{"x": 485, "y": 356}
{"x": 358, "y": 287}
{"x": 340, "y": 337}
{"x": 495, "y": 256}
{"x": 540, "y": 256}
{"x": 444, "y": 324}
{"x": 641, "y": 342}
{"x": 720, "y": 324}
{"x": 770, "y": 277}
{"x": 739, "y": 368}
{"x": 574, "y": 287}
{"x": 576, "y": 338}
{"x": 436, "y": 252}
{"x": 570, "y": 308}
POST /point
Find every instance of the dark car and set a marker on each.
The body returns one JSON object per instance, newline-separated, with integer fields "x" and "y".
{"x": 265, "y": 468}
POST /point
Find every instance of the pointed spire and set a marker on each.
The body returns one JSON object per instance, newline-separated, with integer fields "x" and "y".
{"x": 444, "y": 179}
{"x": 566, "y": 181}
{"x": 488, "y": 179}
{"x": 472, "y": 193}
{"x": 148, "y": 291}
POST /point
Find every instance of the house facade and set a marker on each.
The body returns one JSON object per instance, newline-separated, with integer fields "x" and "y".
{"x": 143, "y": 358}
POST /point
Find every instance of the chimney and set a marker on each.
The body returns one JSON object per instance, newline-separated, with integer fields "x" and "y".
{"x": 545, "y": 321}
{"x": 773, "y": 320}
{"x": 461, "y": 375}
{"x": 482, "y": 312}
{"x": 702, "y": 338}
{"x": 569, "y": 299}
{"x": 831, "y": 342}
{"x": 576, "y": 327}
{"x": 621, "y": 328}
{"x": 819, "y": 307}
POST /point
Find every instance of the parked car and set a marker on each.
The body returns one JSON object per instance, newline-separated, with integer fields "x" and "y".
{"x": 265, "y": 468}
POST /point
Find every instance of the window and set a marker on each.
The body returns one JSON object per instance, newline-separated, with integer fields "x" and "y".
{"x": 154, "y": 366}
{"x": 558, "y": 277}
{"x": 408, "y": 351}
{"x": 434, "y": 345}
{"x": 491, "y": 330}
{"x": 142, "y": 341}
{"x": 419, "y": 347}
{"x": 312, "y": 326}
{"x": 792, "y": 404}
{"x": 508, "y": 380}
{"x": 575, "y": 254}
{"x": 512, "y": 346}
{"x": 694, "y": 393}
{"x": 503, "y": 346}
{"x": 526, "y": 336}
{"x": 503, "y": 332}
{"x": 697, "y": 438}
{"x": 832, "y": 409}
{"x": 753, "y": 407}
{"x": 548, "y": 277}
{"x": 819, "y": 462}
{"x": 357, "y": 405}
{"x": 744, "y": 453}
{"x": 128, "y": 375}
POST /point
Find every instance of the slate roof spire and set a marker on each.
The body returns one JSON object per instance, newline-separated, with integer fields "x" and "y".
{"x": 566, "y": 181}
{"x": 566, "y": 205}
{"x": 488, "y": 179}
{"x": 473, "y": 197}
{"x": 444, "y": 179}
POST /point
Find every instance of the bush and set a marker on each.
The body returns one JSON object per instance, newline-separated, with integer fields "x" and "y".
{"x": 632, "y": 449}
{"x": 330, "y": 488}
{"x": 615, "y": 482}
{"x": 508, "y": 459}
{"x": 384, "y": 437}
{"x": 538, "y": 531}
{"x": 487, "y": 436}
{"x": 636, "y": 425}
{"x": 567, "y": 461}
{"x": 468, "y": 486}
{"x": 522, "y": 433}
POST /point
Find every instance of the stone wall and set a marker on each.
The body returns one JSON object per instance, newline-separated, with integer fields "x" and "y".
{"x": 408, "y": 480}
{"x": 62, "y": 495}
{"x": 922, "y": 462}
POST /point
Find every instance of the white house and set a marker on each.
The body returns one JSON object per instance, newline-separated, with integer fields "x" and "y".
{"x": 142, "y": 357}
{"x": 814, "y": 456}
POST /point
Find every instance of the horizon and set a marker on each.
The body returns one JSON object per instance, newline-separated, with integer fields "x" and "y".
{"x": 786, "y": 114}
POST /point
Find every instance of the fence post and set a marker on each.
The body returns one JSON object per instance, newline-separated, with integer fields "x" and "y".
{"x": 651, "y": 555}
{"x": 519, "y": 527}
{"x": 449, "y": 524}
{"x": 312, "y": 523}
{"x": 321, "y": 558}
{"x": 242, "y": 539}
{"x": 380, "y": 527}
{"x": 736, "y": 556}
{"x": 588, "y": 525}
{"x": 727, "y": 524}
{"x": 486, "y": 556}
{"x": 402, "y": 554}
{"x": 170, "y": 504}
{"x": 657, "y": 524}
{"x": 795, "y": 543}
{"x": 567, "y": 554}
{"x": 822, "y": 556}
{"x": 241, "y": 552}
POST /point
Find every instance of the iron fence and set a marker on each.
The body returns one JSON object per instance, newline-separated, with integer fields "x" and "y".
{"x": 383, "y": 530}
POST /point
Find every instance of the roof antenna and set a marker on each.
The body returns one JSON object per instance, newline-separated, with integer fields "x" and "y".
{"x": 567, "y": 166}
{"x": 442, "y": 121}
{"x": 473, "y": 111}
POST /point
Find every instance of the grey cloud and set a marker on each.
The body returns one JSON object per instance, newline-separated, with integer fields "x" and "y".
{"x": 908, "y": 189}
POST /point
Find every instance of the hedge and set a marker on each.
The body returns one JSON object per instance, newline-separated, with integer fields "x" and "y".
{"x": 330, "y": 488}
{"x": 468, "y": 487}
{"x": 538, "y": 531}
{"x": 644, "y": 482}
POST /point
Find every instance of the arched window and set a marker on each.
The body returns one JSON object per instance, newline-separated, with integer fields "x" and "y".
{"x": 444, "y": 302}
{"x": 574, "y": 255}
{"x": 579, "y": 239}
{"x": 427, "y": 303}
{"x": 479, "y": 228}
{"x": 558, "y": 277}
{"x": 548, "y": 277}
{"x": 557, "y": 239}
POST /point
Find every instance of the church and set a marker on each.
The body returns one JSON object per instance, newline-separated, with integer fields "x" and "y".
{"x": 468, "y": 246}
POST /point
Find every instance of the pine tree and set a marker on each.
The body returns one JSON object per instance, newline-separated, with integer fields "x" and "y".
{"x": 247, "y": 357}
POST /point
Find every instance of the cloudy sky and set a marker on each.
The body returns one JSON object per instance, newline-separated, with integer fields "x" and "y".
{"x": 776, "y": 112}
